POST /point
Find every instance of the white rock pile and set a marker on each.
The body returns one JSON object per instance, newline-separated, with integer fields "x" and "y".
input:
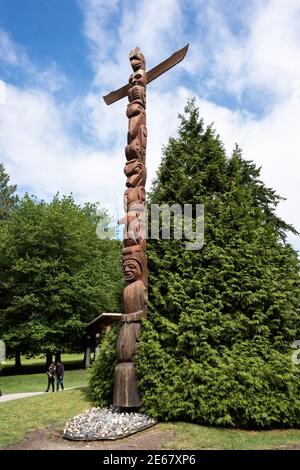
{"x": 105, "y": 423}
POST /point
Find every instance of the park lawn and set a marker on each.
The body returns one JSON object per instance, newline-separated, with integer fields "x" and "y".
{"x": 20, "y": 417}
{"x": 39, "y": 382}
{"x": 40, "y": 360}
{"x": 37, "y": 364}
{"x": 194, "y": 437}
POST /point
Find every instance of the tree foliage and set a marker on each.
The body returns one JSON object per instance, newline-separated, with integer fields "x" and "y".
{"x": 101, "y": 374}
{"x": 57, "y": 277}
{"x": 8, "y": 198}
{"x": 216, "y": 347}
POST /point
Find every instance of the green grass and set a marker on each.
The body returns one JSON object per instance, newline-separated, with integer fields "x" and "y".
{"x": 38, "y": 382}
{"x": 37, "y": 364}
{"x": 41, "y": 360}
{"x": 19, "y": 417}
{"x": 192, "y": 437}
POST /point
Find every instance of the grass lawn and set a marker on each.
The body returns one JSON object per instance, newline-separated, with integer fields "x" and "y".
{"x": 22, "y": 416}
{"x": 39, "y": 382}
{"x": 41, "y": 360}
{"x": 37, "y": 364}
{"x": 192, "y": 437}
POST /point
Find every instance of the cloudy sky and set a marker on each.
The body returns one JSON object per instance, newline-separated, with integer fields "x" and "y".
{"x": 59, "y": 57}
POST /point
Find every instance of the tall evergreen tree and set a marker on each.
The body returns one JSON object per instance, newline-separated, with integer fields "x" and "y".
{"x": 216, "y": 347}
{"x": 8, "y": 198}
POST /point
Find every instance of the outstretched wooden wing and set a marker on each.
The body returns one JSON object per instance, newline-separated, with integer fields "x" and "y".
{"x": 167, "y": 64}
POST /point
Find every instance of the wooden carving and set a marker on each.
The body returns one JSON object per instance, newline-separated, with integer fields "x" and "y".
{"x": 126, "y": 393}
{"x": 173, "y": 60}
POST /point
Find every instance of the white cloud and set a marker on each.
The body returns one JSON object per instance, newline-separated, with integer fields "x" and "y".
{"x": 14, "y": 58}
{"x": 263, "y": 57}
{"x": 112, "y": 29}
{"x": 271, "y": 56}
{"x": 10, "y": 53}
{"x": 42, "y": 154}
{"x": 270, "y": 142}
{"x": 263, "y": 51}
{"x": 266, "y": 55}
{"x": 97, "y": 15}
{"x": 2, "y": 92}
{"x": 35, "y": 145}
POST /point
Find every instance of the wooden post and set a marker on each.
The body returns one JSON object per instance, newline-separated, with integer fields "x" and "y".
{"x": 126, "y": 393}
{"x": 87, "y": 361}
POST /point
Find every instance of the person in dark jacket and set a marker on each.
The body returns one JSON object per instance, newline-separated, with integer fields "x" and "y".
{"x": 60, "y": 370}
{"x": 51, "y": 377}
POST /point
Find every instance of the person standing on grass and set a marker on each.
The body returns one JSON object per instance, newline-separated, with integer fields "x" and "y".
{"x": 51, "y": 377}
{"x": 60, "y": 370}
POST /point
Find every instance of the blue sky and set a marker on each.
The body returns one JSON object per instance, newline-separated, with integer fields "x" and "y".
{"x": 50, "y": 32}
{"x": 59, "y": 57}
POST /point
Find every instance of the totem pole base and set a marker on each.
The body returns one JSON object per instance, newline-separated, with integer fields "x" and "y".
{"x": 126, "y": 393}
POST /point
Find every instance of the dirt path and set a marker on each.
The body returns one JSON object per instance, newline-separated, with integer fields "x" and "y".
{"x": 52, "y": 439}
{"x": 15, "y": 396}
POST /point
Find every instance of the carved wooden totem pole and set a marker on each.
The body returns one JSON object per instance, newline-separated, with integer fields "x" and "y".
{"x": 126, "y": 393}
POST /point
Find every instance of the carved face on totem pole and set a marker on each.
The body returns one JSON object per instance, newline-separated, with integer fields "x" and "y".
{"x": 132, "y": 270}
{"x": 138, "y": 79}
{"x": 137, "y": 82}
{"x": 134, "y": 264}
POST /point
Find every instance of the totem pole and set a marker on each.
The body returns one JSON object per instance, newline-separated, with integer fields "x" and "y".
{"x": 126, "y": 393}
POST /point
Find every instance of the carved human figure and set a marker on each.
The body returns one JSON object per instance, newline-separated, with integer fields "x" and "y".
{"x": 127, "y": 344}
{"x": 135, "y": 300}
